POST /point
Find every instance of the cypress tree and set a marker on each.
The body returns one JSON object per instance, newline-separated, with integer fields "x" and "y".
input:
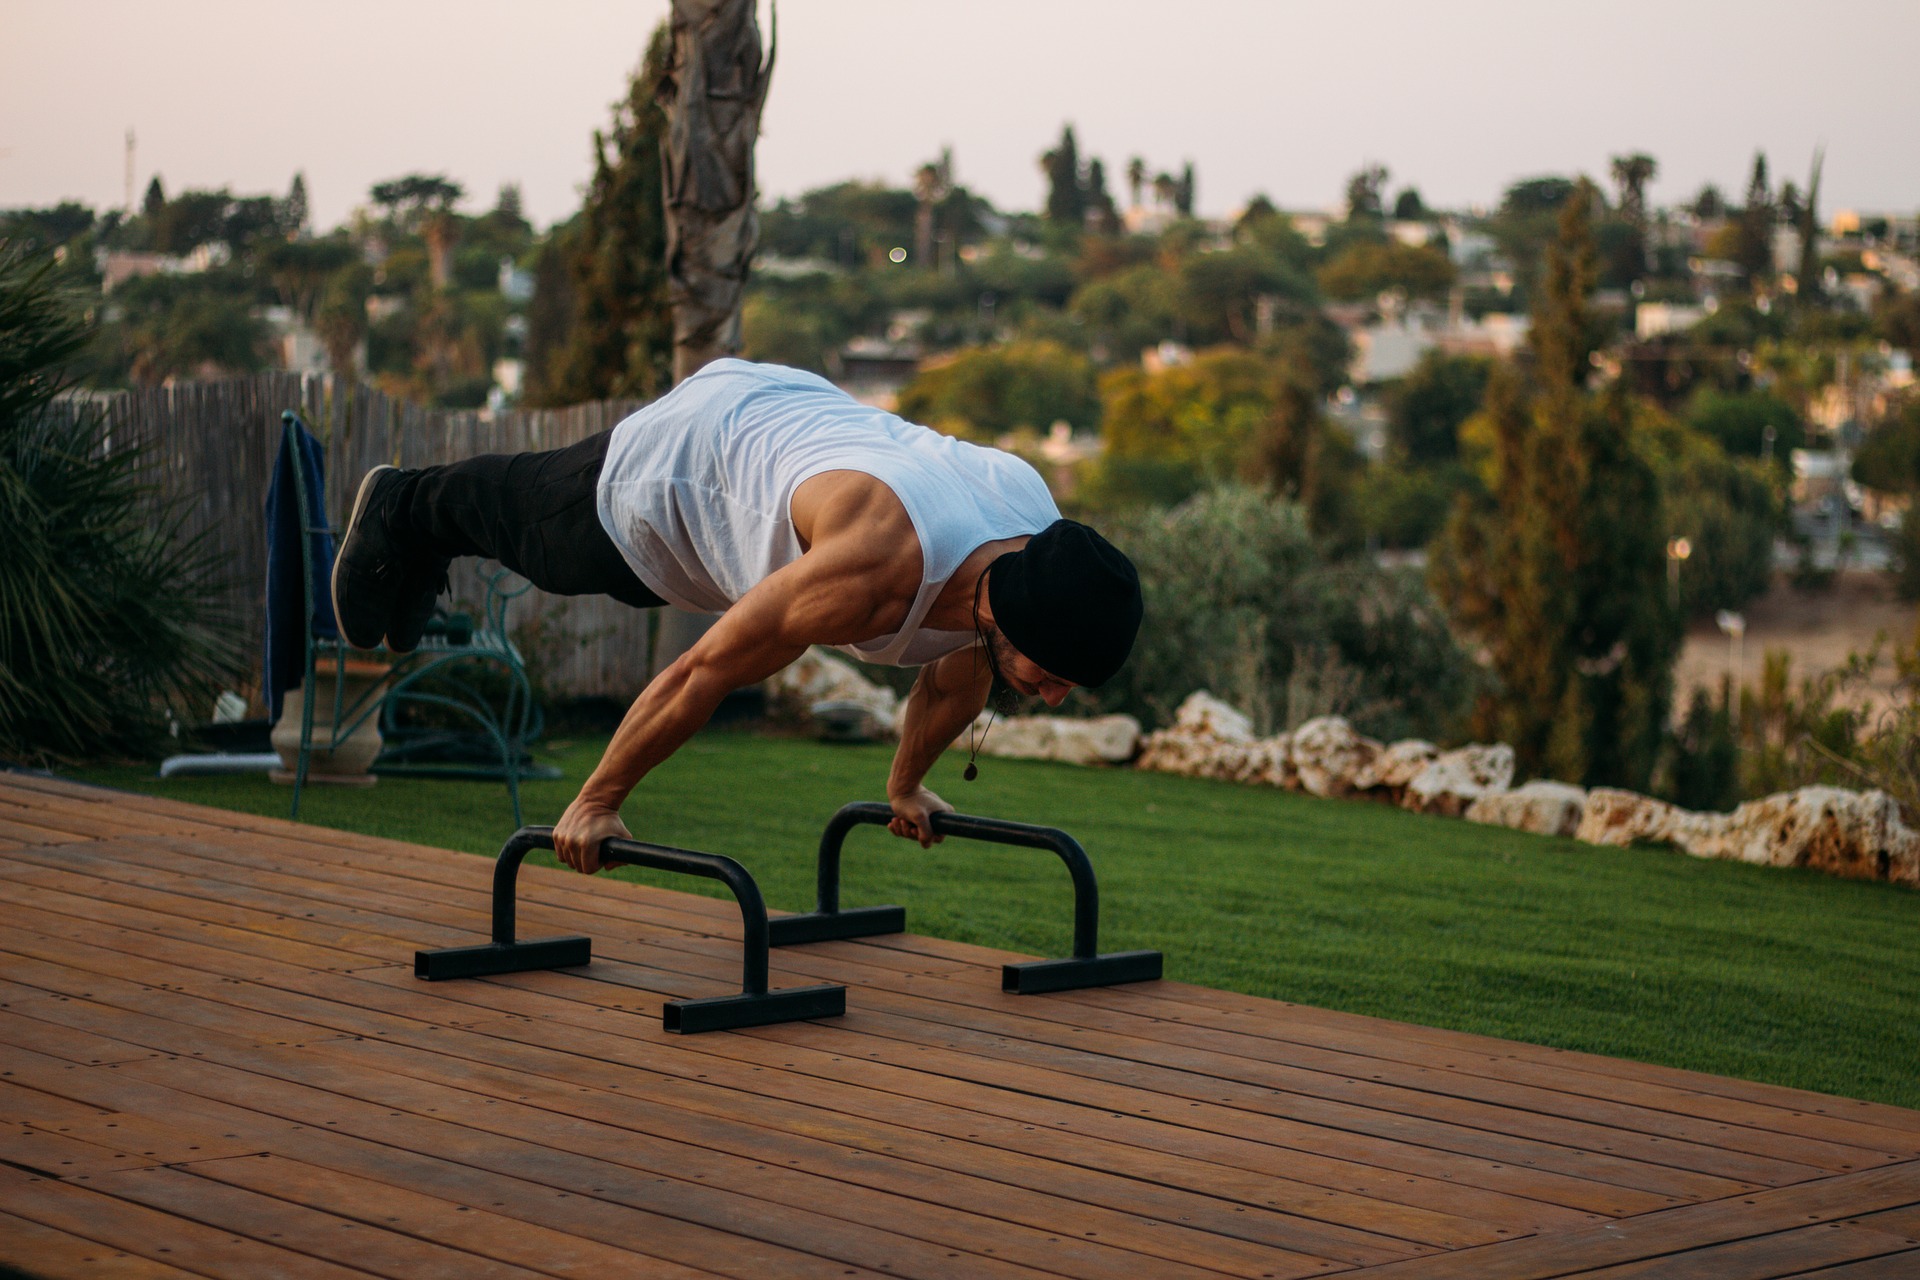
{"x": 1557, "y": 572}
{"x": 1066, "y": 198}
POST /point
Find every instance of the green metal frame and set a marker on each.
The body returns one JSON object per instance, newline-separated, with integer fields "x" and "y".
{"x": 507, "y": 728}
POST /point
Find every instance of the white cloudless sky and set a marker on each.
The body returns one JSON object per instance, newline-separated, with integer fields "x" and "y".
{"x": 1275, "y": 96}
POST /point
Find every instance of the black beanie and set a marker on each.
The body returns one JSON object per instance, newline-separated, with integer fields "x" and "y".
{"x": 1068, "y": 600}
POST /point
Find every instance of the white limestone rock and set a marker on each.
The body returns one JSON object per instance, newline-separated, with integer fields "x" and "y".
{"x": 1455, "y": 779}
{"x": 1396, "y": 766}
{"x": 1269, "y": 763}
{"x": 1617, "y": 817}
{"x": 1206, "y": 715}
{"x": 1854, "y": 834}
{"x": 1544, "y": 808}
{"x": 1094, "y": 740}
{"x": 1207, "y": 739}
{"x": 1329, "y": 757}
{"x": 818, "y": 676}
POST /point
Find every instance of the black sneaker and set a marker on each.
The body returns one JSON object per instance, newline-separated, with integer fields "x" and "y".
{"x": 414, "y": 608}
{"x": 370, "y": 568}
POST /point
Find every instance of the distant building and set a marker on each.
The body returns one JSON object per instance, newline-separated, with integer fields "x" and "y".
{"x": 1653, "y": 319}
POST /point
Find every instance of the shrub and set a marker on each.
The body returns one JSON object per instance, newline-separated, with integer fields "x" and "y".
{"x": 1243, "y": 601}
{"x": 107, "y": 616}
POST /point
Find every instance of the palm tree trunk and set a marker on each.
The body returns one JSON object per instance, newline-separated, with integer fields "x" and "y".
{"x": 713, "y": 92}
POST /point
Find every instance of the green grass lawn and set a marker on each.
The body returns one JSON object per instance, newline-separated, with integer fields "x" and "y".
{"x": 1783, "y": 976}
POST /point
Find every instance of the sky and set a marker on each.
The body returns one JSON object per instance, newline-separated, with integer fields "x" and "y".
{"x": 1275, "y": 96}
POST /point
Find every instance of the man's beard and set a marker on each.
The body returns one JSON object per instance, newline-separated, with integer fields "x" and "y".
{"x": 1003, "y": 697}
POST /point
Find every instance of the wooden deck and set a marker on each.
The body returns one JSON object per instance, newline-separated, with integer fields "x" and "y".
{"x": 215, "y": 1060}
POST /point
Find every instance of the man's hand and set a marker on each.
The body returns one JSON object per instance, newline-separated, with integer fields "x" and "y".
{"x": 578, "y": 834}
{"x": 913, "y": 816}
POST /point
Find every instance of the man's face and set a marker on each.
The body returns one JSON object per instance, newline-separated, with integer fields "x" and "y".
{"x": 1027, "y": 677}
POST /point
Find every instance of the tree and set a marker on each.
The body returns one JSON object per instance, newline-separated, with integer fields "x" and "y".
{"x": 985, "y": 392}
{"x": 155, "y": 201}
{"x": 713, "y": 89}
{"x": 409, "y": 199}
{"x": 1366, "y": 190}
{"x": 1753, "y": 231}
{"x": 1408, "y": 206}
{"x": 1709, "y": 204}
{"x": 601, "y": 301}
{"x": 1425, "y": 408}
{"x": 1558, "y": 572}
{"x": 294, "y": 213}
{"x": 1367, "y": 268}
{"x": 1136, "y": 178}
{"x": 1183, "y": 191}
{"x": 1066, "y": 198}
{"x": 507, "y": 205}
{"x": 1631, "y": 174}
{"x": 111, "y": 613}
{"x": 1100, "y": 209}
{"x": 1807, "y": 223}
{"x": 931, "y": 185}
{"x": 340, "y": 318}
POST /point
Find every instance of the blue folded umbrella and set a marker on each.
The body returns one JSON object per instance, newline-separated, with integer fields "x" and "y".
{"x": 293, "y": 604}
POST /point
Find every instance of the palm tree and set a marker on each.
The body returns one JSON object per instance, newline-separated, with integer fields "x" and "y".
{"x": 1631, "y": 174}
{"x": 713, "y": 92}
{"x": 930, "y": 186}
{"x": 1136, "y": 178}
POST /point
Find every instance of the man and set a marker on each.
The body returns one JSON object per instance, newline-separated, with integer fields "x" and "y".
{"x": 802, "y": 517}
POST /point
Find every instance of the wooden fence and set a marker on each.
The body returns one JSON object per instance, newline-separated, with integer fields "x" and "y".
{"x": 215, "y": 443}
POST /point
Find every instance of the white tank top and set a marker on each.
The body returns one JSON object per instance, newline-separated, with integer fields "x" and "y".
{"x": 697, "y": 488}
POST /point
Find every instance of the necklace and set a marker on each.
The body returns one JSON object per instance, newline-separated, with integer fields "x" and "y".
{"x": 993, "y": 668}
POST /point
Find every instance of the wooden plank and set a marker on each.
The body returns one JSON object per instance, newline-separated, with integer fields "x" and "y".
{"x": 1904, "y": 1223}
{"x": 487, "y": 1171}
{"x": 815, "y": 1121}
{"x": 1894, "y": 1266}
{"x": 1439, "y": 1167}
{"x": 103, "y": 911}
{"x": 1814, "y": 1151}
{"x": 50, "y": 1252}
{"x": 18, "y": 1026}
{"x": 99, "y": 814}
{"x": 597, "y": 1164}
{"x": 78, "y": 1210}
{"x": 151, "y": 1140}
{"x": 229, "y": 1205}
{"x": 21, "y": 1105}
{"x": 1357, "y": 1133}
{"x": 698, "y": 1175}
{"x": 642, "y": 1108}
{"x": 438, "y": 1220}
{"x": 1767, "y": 1257}
{"x": 805, "y": 1177}
{"x": 53, "y": 1156}
{"x": 1671, "y": 1231}
{"x": 1414, "y": 1061}
{"x": 988, "y": 1046}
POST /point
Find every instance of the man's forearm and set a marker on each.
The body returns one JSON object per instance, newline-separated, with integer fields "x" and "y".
{"x": 669, "y": 711}
{"x": 940, "y": 706}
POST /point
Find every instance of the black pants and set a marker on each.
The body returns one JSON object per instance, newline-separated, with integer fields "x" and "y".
{"x": 533, "y": 512}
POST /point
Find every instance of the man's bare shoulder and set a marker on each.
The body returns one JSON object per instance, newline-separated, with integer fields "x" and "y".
{"x": 856, "y": 513}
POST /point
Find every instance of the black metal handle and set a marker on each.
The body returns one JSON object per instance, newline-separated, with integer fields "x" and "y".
{"x": 1086, "y": 889}
{"x": 616, "y": 852}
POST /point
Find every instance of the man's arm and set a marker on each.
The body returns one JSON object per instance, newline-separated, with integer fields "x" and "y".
{"x": 836, "y": 593}
{"x": 947, "y": 696}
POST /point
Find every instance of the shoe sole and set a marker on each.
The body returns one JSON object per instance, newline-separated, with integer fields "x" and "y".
{"x": 353, "y": 521}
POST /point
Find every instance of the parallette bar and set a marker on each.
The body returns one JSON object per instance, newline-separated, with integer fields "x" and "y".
{"x": 1037, "y": 976}
{"x": 754, "y": 1006}
{"x": 490, "y": 958}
